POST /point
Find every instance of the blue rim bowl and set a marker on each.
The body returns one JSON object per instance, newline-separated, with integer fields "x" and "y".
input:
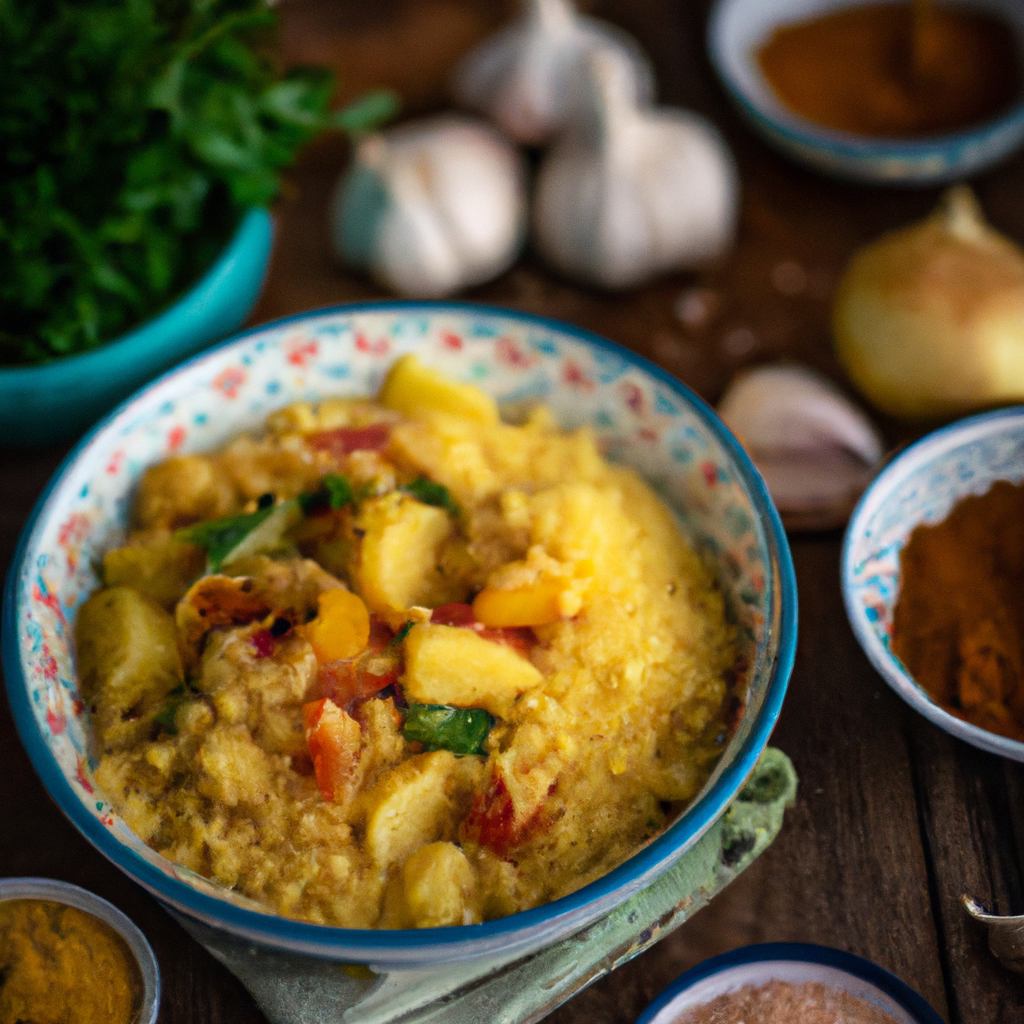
{"x": 790, "y": 961}
{"x": 921, "y": 486}
{"x": 738, "y": 28}
{"x": 646, "y": 418}
{"x": 57, "y": 400}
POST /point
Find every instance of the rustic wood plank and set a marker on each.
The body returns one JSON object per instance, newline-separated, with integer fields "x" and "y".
{"x": 968, "y": 799}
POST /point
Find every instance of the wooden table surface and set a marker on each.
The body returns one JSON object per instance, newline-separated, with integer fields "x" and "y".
{"x": 895, "y": 819}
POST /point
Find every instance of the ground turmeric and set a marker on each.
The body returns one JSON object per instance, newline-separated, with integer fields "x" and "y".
{"x": 60, "y": 965}
{"x": 895, "y": 70}
{"x": 959, "y": 620}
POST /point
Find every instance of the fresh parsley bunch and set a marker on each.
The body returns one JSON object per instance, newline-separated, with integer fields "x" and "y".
{"x": 132, "y": 134}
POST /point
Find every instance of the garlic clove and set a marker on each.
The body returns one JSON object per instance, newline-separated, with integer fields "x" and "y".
{"x": 630, "y": 192}
{"x": 522, "y": 77}
{"x": 431, "y": 206}
{"x": 929, "y": 319}
{"x": 816, "y": 451}
{"x": 1005, "y": 934}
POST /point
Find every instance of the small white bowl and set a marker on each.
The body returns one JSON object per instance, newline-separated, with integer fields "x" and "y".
{"x": 73, "y": 896}
{"x": 737, "y": 29}
{"x": 796, "y": 963}
{"x": 921, "y": 486}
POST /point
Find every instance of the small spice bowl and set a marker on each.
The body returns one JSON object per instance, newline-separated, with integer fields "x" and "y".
{"x": 737, "y": 29}
{"x": 790, "y": 963}
{"x": 54, "y": 891}
{"x": 921, "y": 486}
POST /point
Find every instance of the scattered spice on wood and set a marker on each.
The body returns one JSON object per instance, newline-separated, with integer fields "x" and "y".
{"x": 61, "y": 965}
{"x": 895, "y": 70}
{"x": 783, "y": 1002}
{"x": 958, "y": 625}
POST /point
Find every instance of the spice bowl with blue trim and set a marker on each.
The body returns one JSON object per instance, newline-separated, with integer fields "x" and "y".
{"x": 737, "y": 29}
{"x": 529, "y": 962}
{"x": 921, "y": 486}
{"x": 51, "y": 890}
{"x": 795, "y": 964}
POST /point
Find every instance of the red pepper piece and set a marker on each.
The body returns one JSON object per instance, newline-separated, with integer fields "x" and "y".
{"x": 345, "y": 440}
{"x": 335, "y": 745}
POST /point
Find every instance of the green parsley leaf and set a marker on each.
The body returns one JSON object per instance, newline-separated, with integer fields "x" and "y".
{"x": 221, "y": 536}
{"x": 430, "y": 493}
{"x": 439, "y": 727}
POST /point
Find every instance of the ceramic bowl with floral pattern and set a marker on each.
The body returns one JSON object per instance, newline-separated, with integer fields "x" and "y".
{"x": 921, "y": 486}
{"x": 642, "y": 416}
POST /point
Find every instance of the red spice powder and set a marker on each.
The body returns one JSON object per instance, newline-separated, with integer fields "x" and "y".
{"x": 782, "y": 1002}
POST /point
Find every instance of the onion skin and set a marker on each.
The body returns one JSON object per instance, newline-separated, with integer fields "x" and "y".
{"x": 929, "y": 319}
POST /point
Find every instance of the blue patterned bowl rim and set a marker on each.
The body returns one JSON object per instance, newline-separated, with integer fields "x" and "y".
{"x": 885, "y": 662}
{"x": 799, "y": 952}
{"x": 420, "y": 946}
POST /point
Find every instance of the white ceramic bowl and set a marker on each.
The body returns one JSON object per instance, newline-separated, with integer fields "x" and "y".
{"x": 921, "y": 486}
{"x": 738, "y": 28}
{"x": 644, "y": 417}
{"x": 796, "y": 963}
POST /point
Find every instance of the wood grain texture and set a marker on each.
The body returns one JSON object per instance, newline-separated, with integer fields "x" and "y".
{"x": 894, "y": 818}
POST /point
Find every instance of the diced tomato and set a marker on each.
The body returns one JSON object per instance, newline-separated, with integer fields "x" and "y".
{"x": 491, "y": 819}
{"x": 453, "y": 615}
{"x": 345, "y": 440}
{"x": 263, "y": 641}
{"x": 335, "y": 745}
{"x": 520, "y": 638}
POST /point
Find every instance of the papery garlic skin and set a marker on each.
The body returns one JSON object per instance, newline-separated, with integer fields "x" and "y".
{"x": 432, "y": 206}
{"x": 815, "y": 449}
{"x": 523, "y": 77}
{"x": 631, "y": 192}
{"x": 929, "y": 319}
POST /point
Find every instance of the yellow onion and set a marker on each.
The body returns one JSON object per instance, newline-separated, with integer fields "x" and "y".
{"x": 929, "y": 319}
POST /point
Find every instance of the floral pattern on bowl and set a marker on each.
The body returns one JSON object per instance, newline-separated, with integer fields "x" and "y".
{"x": 921, "y": 486}
{"x": 642, "y": 416}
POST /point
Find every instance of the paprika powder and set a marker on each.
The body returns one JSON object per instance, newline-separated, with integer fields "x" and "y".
{"x": 958, "y": 625}
{"x": 895, "y": 70}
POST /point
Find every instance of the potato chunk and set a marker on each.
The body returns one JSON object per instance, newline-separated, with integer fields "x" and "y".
{"x": 155, "y": 564}
{"x": 127, "y": 662}
{"x": 411, "y": 388}
{"x": 451, "y": 665}
{"x": 182, "y": 490}
{"x": 401, "y": 553}
{"x": 420, "y": 802}
{"x": 439, "y": 886}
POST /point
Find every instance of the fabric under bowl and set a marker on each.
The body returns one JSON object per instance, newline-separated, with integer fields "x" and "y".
{"x": 921, "y": 486}
{"x": 644, "y": 417}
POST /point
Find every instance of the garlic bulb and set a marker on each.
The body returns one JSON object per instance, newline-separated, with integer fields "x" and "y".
{"x": 929, "y": 319}
{"x": 630, "y": 192}
{"x": 522, "y": 77}
{"x": 814, "y": 448}
{"x": 432, "y": 206}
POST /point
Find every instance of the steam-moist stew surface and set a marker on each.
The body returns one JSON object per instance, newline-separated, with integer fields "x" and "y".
{"x": 443, "y": 669}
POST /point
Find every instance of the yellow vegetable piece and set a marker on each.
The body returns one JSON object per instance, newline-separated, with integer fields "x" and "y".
{"x": 452, "y": 665}
{"x": 534, "y": 605}
{"x": 341, "y": 629}
{"x": 411, "y": 388}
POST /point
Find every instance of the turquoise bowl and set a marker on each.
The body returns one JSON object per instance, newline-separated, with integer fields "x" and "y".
{"x": 56, "y": 401}
{"x": 738, "y": 28}
{"x": 641, "y": 415}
